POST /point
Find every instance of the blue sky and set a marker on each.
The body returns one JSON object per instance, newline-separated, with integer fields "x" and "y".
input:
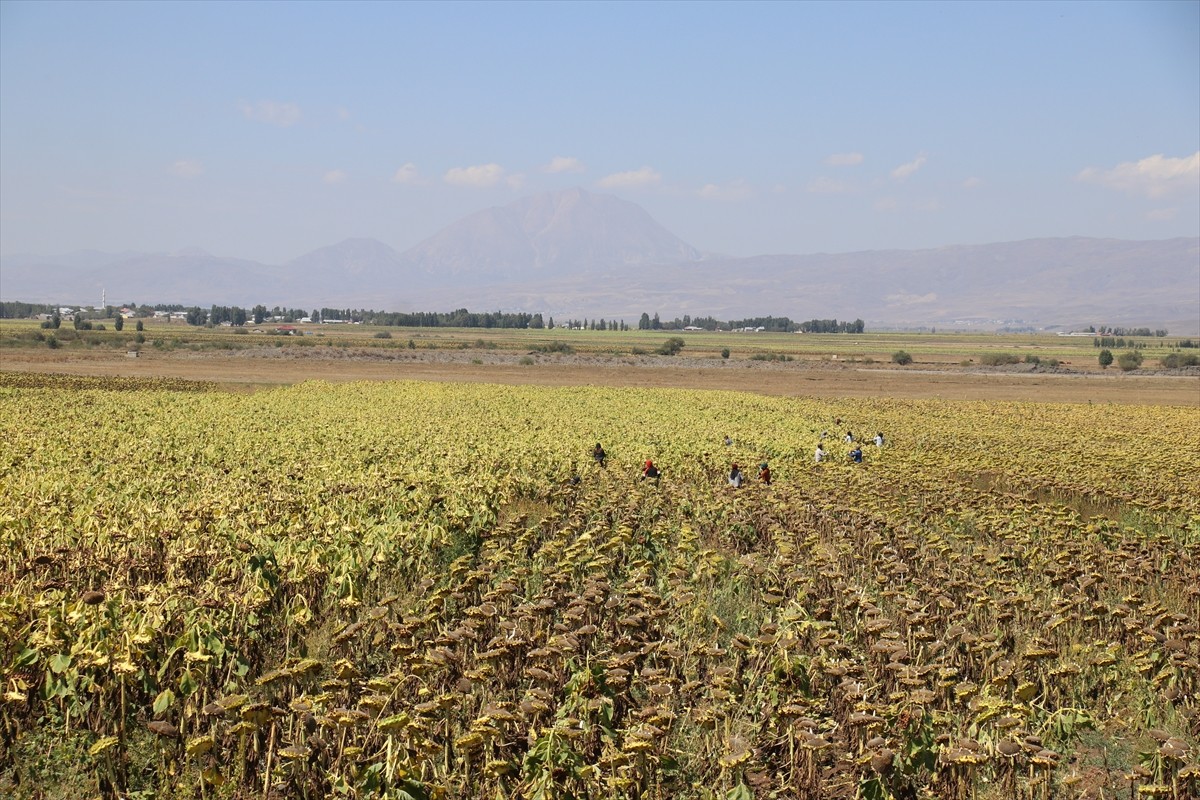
{"x": 268, "y": 130}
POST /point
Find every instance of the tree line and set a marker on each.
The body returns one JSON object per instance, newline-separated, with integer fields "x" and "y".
{"x": 1111, "y": 331}
{"x": 773, "y": 324}
{"x": 459, "y": 318}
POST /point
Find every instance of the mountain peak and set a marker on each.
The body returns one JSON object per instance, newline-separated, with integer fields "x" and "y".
{"x": 571, "y": 229}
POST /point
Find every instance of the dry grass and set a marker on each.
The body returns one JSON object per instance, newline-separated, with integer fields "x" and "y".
{"x": 243, "y": 371}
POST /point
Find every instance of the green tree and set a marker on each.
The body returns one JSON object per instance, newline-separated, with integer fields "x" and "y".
{"x": 901, "y": 357}
{"x": 139, "y": 327}
{"x": 55, "y": 321}
{"x": 119, "y": 322}
{"x": 671, "y": 346}
{"x": 260, "y": 313}
{"x": 537, "y": 322}
{"x": 1106, "y": 358}
{"x": 1129, "y": 360}
{"x": 644, "y": 322}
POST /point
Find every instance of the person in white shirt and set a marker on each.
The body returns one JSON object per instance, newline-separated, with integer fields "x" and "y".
{"x": 819, "y": 455}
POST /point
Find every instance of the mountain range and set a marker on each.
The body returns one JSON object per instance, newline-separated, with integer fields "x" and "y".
{"x": 578, "y": 254}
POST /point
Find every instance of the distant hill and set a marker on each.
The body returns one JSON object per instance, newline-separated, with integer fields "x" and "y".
{"x": 546, "y": 234}
{"x": 576, "y": 254}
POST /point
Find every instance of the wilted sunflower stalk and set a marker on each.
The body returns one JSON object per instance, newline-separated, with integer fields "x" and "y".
{"x": 397, "y": 590}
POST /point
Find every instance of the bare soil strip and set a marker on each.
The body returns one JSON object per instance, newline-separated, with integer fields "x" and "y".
{"x": 237, "y": 372}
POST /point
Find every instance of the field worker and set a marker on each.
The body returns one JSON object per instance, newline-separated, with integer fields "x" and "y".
{"x": 728, "y": 441}
{"x": 856, "y": 455}
{"x": 735, "y": 477}
{"x": 849, "y": 437}
{"x": 879, "y": 440}
{"x": 819, "y": 455}
{"x": 764, "y": 473}
{"x": 598, "y": 454}
{"x": 650, "y": 471}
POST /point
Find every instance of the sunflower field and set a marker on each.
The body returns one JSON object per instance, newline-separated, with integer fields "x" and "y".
{"x": 430, "y": 590}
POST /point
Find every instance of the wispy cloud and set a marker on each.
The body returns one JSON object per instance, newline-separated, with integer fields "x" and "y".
{"x": 515, "y": 181}
{"x": 844, "y": 159}
{"x": 408, "y": 173}
{"x": 824, "y": 185}
{"x": 186, "y": 168}
{"x": 1162, "y": 214}
{"x": 271, "y": 112}
{"x": 972, "y": 183}
{"x": 905, "y": 170}
{"x": 564, "y": 164}
{"x": 646, "y": 176}
{"x": 1154, "y": 176}
{"x": 480, "y": 176}
{"x": 335, "y": 176}
{"x": 734, "y": 191}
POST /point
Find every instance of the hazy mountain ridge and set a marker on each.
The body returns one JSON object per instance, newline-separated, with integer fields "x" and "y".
{"x": 535, "y": 235}
{"x": 576, "y": 254}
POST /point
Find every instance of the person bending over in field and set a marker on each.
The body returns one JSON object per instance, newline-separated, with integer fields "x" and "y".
{"x": 599, "y": 456}
{"x": 819, "y": 455}
{"x": 735, "y": 477}
{"x": 650, "y": 471}
{"x": 764, "y": 473}
{"x": 856, "y": 455}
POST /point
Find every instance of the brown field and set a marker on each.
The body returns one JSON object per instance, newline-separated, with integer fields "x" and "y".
{"x": 248, "y": 370}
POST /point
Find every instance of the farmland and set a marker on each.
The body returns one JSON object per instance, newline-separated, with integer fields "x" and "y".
{"x": 415, "y": 589}
{"x": 948, "y": 365}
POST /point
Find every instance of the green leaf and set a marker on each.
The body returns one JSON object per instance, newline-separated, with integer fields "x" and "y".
{"x": 740, "y": 792}
{"x": 60, "y": 663}
{"x": 164, "y": 700}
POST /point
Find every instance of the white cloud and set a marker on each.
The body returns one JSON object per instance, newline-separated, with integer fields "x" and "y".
{"x": 905, "y": 170}
{"x": 187, "y": 168}
{"x": 335, "y": 176}
{"x": 1162, "y": 214}
{"x": 824, "y": 185}
{"x": 1153, "y": 176}
{"x": 480, "y": 176}
{"x": 515, "y": 181}
{"x": 844, "y": 159}
{"x": 564, "y": 164}
{"x": 408, "y": 173}
{"x": 646, "y": 176}
{"x": 886, "y": 204}
{"x": 733, "y": 191}
{"x": 972, "y": 183}
{"x": 271, "y": 112}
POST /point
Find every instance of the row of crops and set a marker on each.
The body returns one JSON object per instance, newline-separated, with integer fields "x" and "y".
{"x": 413, "y": 590}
